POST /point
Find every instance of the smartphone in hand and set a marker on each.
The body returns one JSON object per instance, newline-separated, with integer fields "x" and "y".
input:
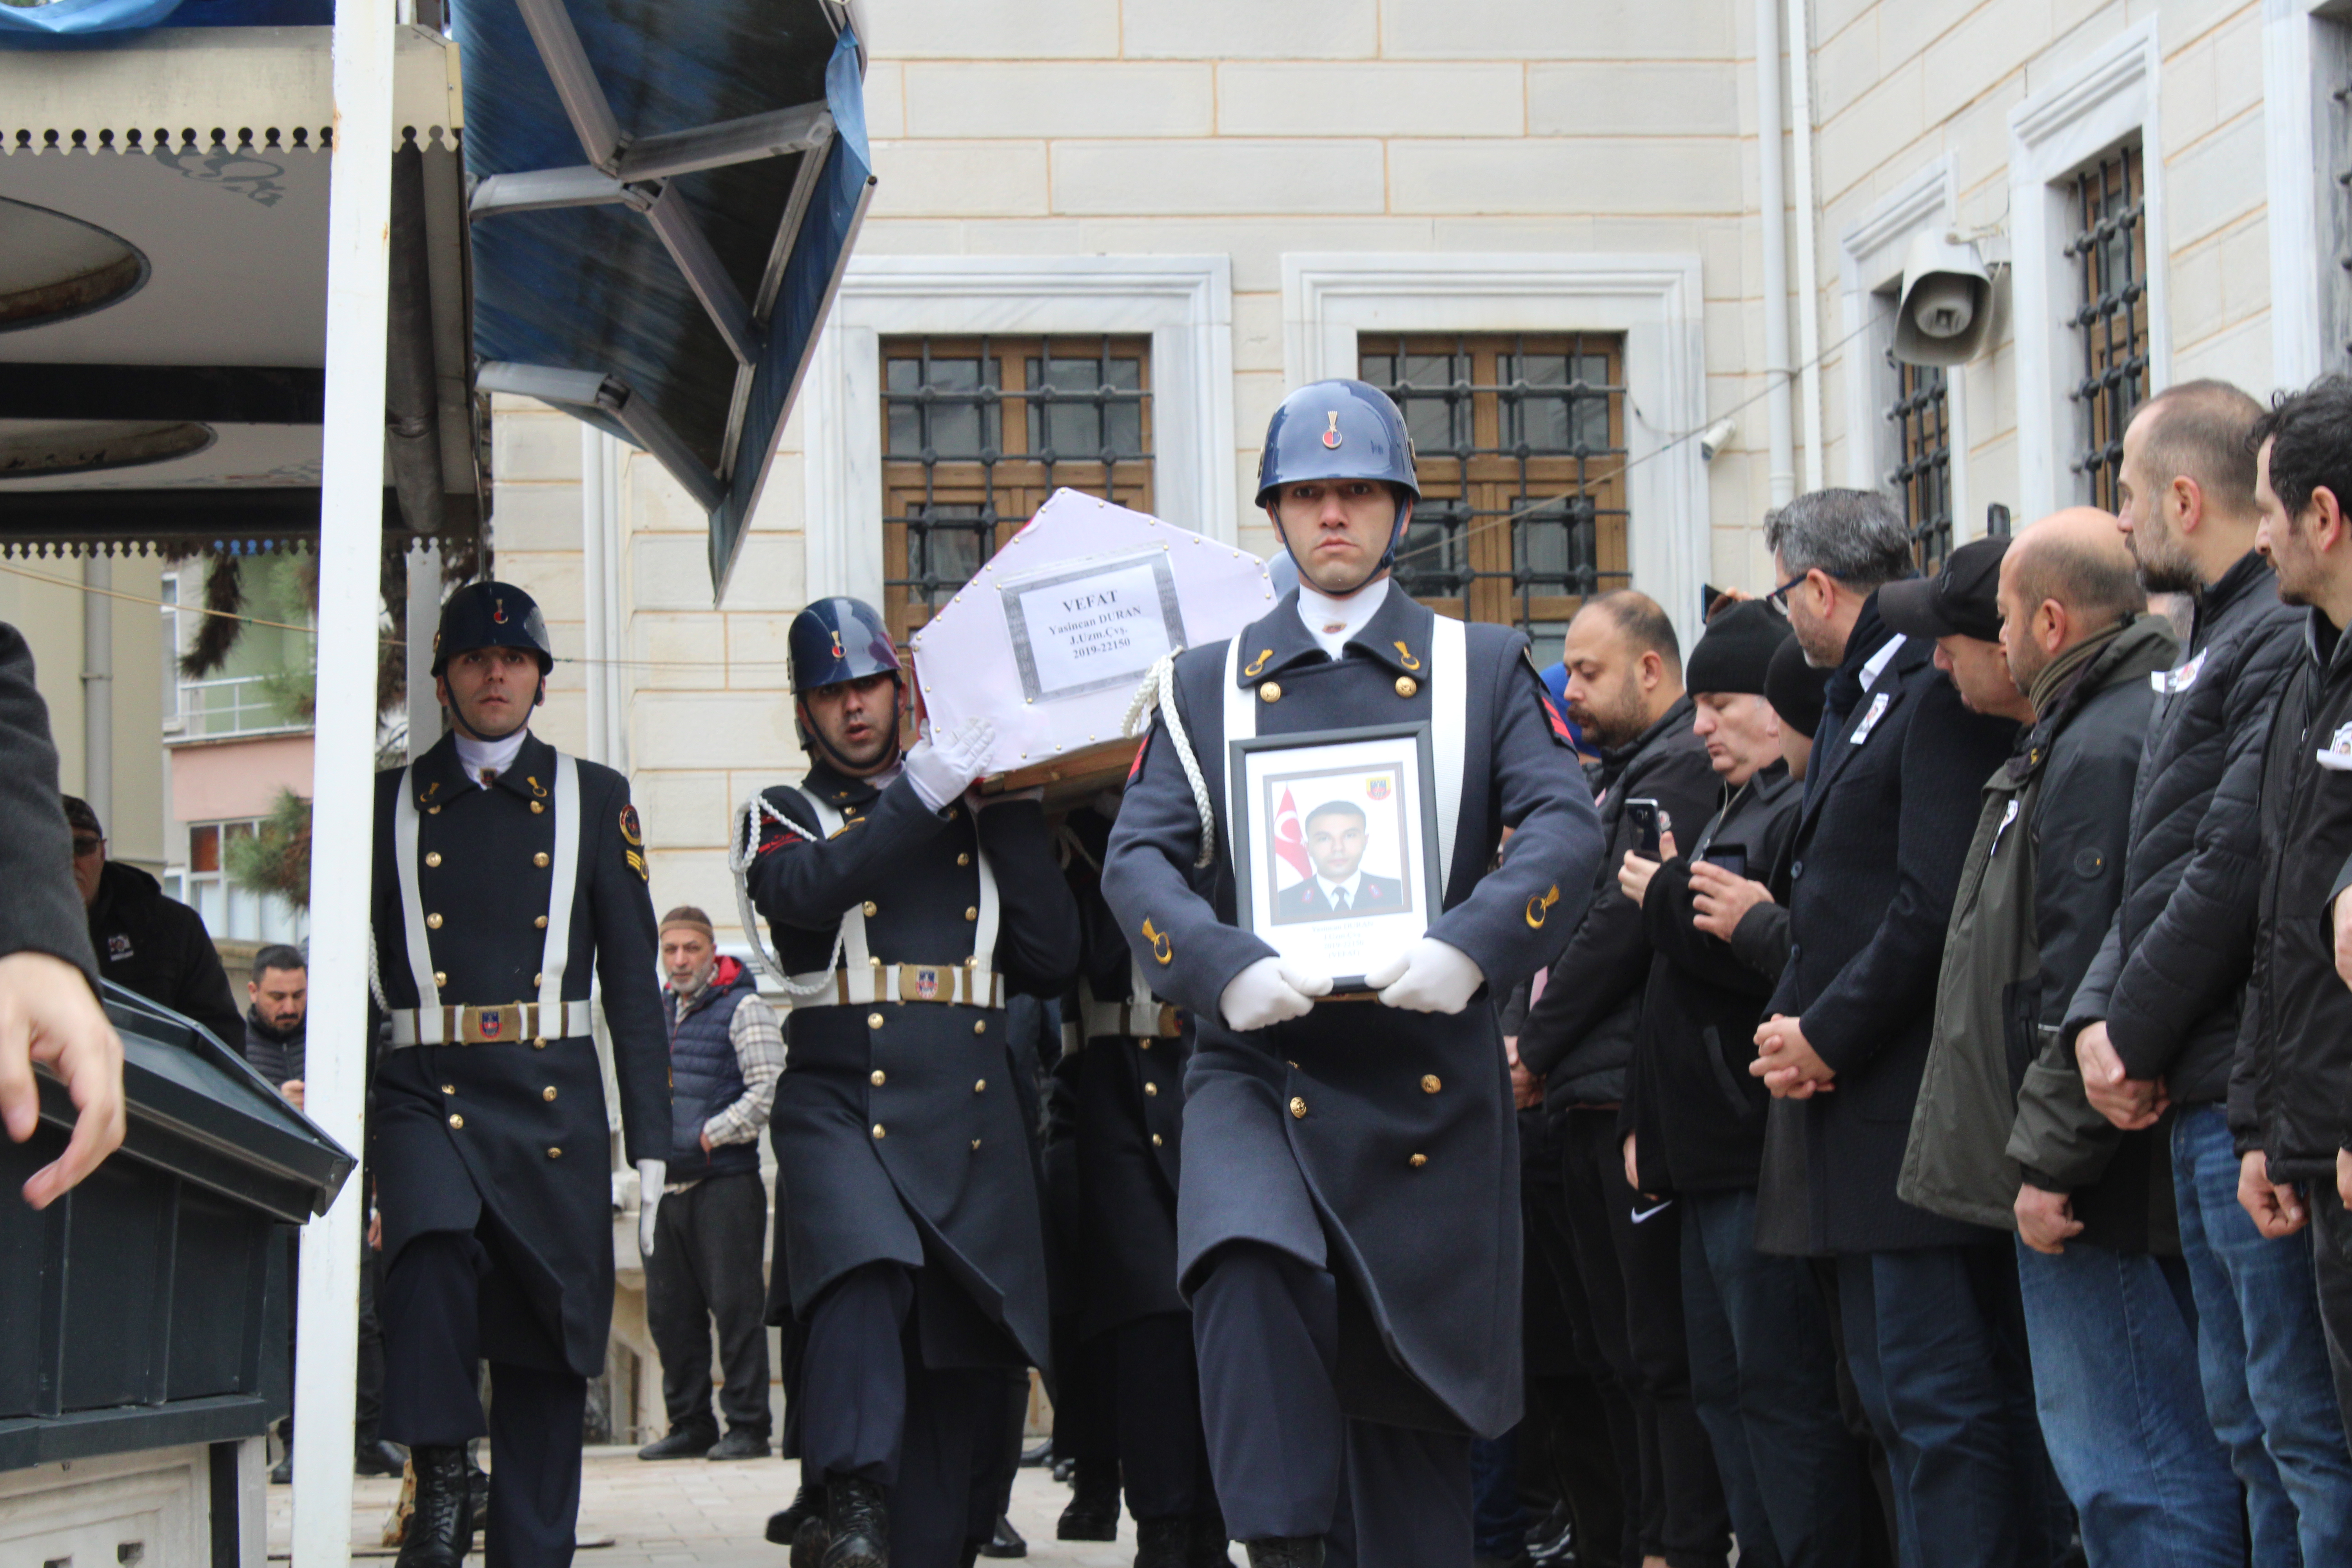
{"x": 1648, "y": 822}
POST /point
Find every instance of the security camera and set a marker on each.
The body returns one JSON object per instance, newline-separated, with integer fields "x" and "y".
{"x": 1944, "y": 313}
{"x": 1716, "y": 437}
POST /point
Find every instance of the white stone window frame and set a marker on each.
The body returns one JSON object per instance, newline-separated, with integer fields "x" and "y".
{"x": 1653, "y": 301}
{"x": 2103, "y": 102}
{"x": 1184, "y": 303}
{"x": 1870, "y": 283}
{"x": 2303, "y": 42}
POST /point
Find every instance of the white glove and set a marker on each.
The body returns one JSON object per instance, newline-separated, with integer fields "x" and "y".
{"x": 941, "y": 767}
{"x": 651, "y": 1176}
{"x": 1269, "y": 991}
{"x": 1427, "y": 977}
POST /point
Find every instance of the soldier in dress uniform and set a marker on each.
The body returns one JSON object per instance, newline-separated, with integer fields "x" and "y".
{"x": 1129, "y": 1051}
{"x": 904, "y": 910}
{"x": 508, "y": 877}
{"x": 1347, "y": 1228}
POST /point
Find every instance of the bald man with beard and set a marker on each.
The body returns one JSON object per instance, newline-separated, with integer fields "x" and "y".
{"x": 2002, "y": 1134}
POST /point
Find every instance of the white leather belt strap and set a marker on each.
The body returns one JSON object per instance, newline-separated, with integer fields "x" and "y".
{"x": 1139, "y": 1014}
{"x": 863, "y": 979}
{"x": 1241, "y": 724}
{"x": 405, "y": 830}
{"x": 517, "y": 1023}
{"x": 557, "y": 951}
{"x": 1449, "y": 707}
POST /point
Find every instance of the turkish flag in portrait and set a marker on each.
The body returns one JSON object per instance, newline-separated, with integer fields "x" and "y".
{"x": 1290, "y": 838}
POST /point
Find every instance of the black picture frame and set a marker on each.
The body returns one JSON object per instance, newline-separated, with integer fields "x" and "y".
{"x": 1249, "y": 849}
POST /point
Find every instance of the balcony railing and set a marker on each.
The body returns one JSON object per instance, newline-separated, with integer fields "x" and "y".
{"x": 231, "y": 705}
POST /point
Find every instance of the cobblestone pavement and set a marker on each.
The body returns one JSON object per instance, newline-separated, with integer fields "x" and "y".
{"x": 691, "y": 1511}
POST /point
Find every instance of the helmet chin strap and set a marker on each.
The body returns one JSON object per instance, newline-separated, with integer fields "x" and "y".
{"x": 1387, "y": 560}
{"x": 812, "y": 730}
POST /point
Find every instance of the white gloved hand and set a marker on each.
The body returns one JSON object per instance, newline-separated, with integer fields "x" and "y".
{"x": 1427, "y": 977}
{"x": 941, "y": 767}
{"x": 651, "y": 1176}
{"x": 1267, "y": 992}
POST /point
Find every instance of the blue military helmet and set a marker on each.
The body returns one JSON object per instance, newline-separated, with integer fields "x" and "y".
{"x": 491, "y": 615}
{"x": 1340, "y": 430}
{"x": 839, "y": 639}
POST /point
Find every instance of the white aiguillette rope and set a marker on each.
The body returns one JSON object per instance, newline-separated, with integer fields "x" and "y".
{"x": 742, "y": 848}
{"x": 1159, "y": 689}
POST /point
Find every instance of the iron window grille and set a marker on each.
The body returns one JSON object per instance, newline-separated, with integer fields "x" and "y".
{"x": 2110, "y": 251}
{"x": 977, "y": 432}
{"x": 1922, "y": 480}
{"x": 1519, "y": 446}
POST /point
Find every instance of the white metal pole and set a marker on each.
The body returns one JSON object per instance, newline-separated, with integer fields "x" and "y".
{"x": 1809, "y": 282}
{"x": 1777, "y": 417}
{"x": 350, "y": 540}
{"x": 617, "y": 620}
{"x": 424, "y": 620}
{"x": 98, "y": 687}
{"x": 595, "y": 568}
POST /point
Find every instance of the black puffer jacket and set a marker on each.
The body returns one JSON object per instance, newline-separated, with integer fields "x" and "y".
{"x": 2290, "y": 1092}
{"x": 1580, "y": 1034}
{"x": 1698, "y": 1114}
{"x": 2169, "y": 978}
{"x": 159, "y": 948}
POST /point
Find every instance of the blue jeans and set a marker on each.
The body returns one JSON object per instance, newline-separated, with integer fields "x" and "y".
{"x": 2115, "y": 1341}
{"x": 1499, "y": 1522}
{"x": 2262, "y": 1355}
{"x": 1936, "y": 1340}
{"x": 1764, "y": 1376}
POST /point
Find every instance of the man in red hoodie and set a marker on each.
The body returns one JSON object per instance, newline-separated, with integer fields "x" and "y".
{"x": 726, "y": 1053}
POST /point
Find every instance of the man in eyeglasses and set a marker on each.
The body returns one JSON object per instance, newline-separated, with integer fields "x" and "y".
{"x": 147, "y": 943}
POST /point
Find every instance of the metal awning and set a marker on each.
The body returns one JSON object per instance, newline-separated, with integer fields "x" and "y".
{"x": 663, "y": 200}
{"x": 163, "y": 289}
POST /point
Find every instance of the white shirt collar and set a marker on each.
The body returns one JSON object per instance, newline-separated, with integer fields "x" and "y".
{"x": 1352, "y": 887}
{"x": 1319, "y": 612}
{"x": 1876, "y": 665}
{"x": 475, "y": 755}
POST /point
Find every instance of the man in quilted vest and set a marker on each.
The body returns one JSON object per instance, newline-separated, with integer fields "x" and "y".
{"x": 726, "y": 1052}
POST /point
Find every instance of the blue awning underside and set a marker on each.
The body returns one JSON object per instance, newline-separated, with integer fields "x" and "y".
{"x": 664, "y": 199}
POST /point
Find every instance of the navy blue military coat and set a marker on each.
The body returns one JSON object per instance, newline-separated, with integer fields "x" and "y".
{"x": 1375, "y": 1142}
{"x": 514, "y": 1133}
{"x": 897, "y": 1133}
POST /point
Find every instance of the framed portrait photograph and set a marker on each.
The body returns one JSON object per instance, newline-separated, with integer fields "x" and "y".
{"x": 1335, "y": 845}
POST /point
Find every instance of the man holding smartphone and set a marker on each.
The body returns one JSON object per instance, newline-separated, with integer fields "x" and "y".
{"x": 1625, "y": 692}
{"x": 1762, "y": 1364}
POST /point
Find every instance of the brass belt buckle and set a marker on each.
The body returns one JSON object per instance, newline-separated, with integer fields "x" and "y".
{"x": 925, "y": 982}
{"x": 493, "y": 1026}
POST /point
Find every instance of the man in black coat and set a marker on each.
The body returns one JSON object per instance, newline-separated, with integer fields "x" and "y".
{"x": 1132, "y": 1051}
{"x": 145, "y": 941}
{"x": 1625, "y": 692}
{"x": 1347, "y": 1228}
{"x": 508, "y": 876}
{"x": 1763, "y": 1363}
{"x": 49, "y": 976}
{"x": 909, "y": 1243}
{"x": 1890, "y": 804}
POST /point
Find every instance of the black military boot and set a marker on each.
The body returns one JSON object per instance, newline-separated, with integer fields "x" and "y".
{"x": 858, "y": 1524}
{"x": 1208, "y": 1539}
{"x": 441, "y": 1526}
{"x": 1093, "y": 1513}
{"x": 805, "y": 1517}
{"x": 1163, "y": 1543}
{"x": 1287, "y": 1552}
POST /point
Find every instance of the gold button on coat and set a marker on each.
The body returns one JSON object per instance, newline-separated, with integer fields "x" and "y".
{"x": 433, "y": 856}
{"x": 456, "y": 1120}
{"x": 539, "y": 980}
{"x": 538, "y": 806}
{"x": 1419, "y": 1160}
{"x": 878, "y": 1130}
{"x": 440, "y": 977}
{"x": 979, "y": 1026}
{"x": 1141, "y": 1044}
{"x": 547, "y": 1093}
{"x": 1155, "y": 1140}
{"x": 872, "y": 909}
{"x": 448, "y": 1088}
{"x": 432, "y": 811}
{"x": 878, "y": 1077}
{"x": 1270, "y": 692}
{"x": 972, "y": 914}
{"x": 432, "y": 921}
{"x": 1151, "y": 1089}
{"x": 963, "y": 859}
{"x": 873, "y": 1020}
{"x": 980, "y": 1086}
{"x": 1299, "y": 1108}
{"x": 539, "y": 1044}
{"x": 554, "y": 1153}
{"x": 540, "y": 858}
{"x": 1407, "y": 686}
{"x": 1430, "y": 1085}
{"x": 541, "y": 922}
